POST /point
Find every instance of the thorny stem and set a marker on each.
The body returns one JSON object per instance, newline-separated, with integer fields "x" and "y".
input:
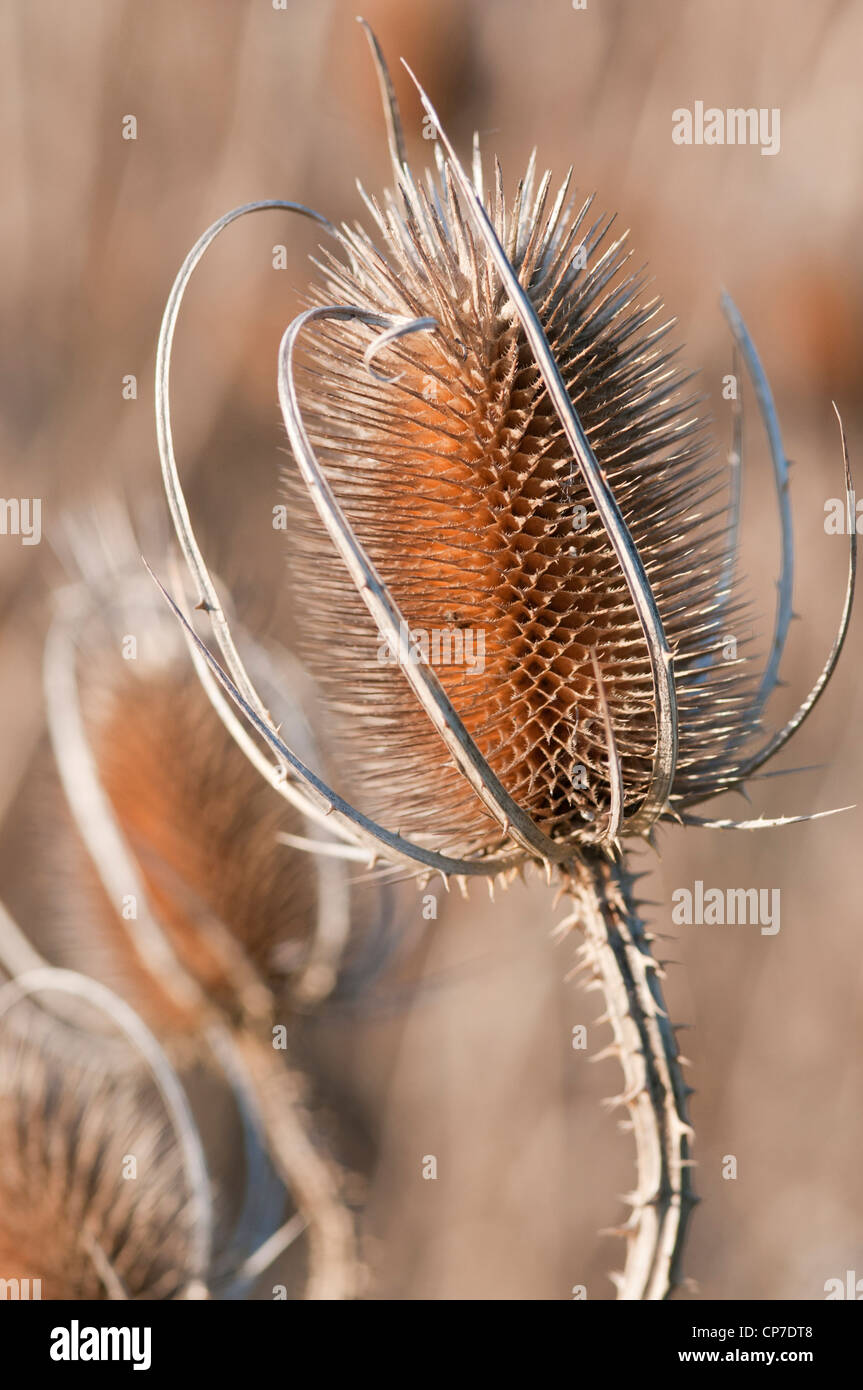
{"x": 616, "y": 954}
{"x": 334, "y": 1268}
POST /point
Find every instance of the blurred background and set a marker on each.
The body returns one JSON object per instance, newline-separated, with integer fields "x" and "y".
{"x": 469, "y": 1057}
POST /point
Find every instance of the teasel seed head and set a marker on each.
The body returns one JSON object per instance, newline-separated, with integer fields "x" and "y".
{"x": 177, "y": 880}
{"x": 568, "y": 570}
{"x": 170, "y": 866}
{"x": 530, "y": 489}
{"x": 458, "y": 481}
{"x": 73, "y": 1214}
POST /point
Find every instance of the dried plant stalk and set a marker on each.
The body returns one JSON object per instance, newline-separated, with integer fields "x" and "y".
{"x": 615, "y": 958}
{"x": 334, "y": 1270}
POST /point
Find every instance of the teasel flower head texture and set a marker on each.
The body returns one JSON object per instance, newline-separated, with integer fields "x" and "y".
{"x": 515, "y": 563}
{"x": 74, "y": 1224}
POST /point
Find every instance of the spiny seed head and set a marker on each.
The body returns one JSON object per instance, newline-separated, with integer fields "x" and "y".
{"x": 515, "y": 562}
{"x": 199, "y": 827}
{"x": 204, "y": 830}
{"x": 70, "y": 1206}
{"x": 457, "y": 478}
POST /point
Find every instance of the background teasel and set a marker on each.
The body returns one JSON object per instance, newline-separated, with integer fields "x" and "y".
{"x": 742, "y": 995}
{"x": 176, "y": 915}
{"x": 70, "y": 1216}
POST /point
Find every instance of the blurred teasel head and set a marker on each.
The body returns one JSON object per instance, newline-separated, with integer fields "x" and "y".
{"x": 96, "y": 1200}
{"x": 515, "y": 563}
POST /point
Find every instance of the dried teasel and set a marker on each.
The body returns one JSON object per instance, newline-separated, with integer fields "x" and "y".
{"x": 176, "y": 824}
{"x": 526, "y": 472}
{"x": 171, "y": 882}
{"x": 104, "y": 1191}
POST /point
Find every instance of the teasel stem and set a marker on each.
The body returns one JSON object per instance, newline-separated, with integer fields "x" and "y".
{"x": 334, "y": 1268}
{"x": 616, "y": 955}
